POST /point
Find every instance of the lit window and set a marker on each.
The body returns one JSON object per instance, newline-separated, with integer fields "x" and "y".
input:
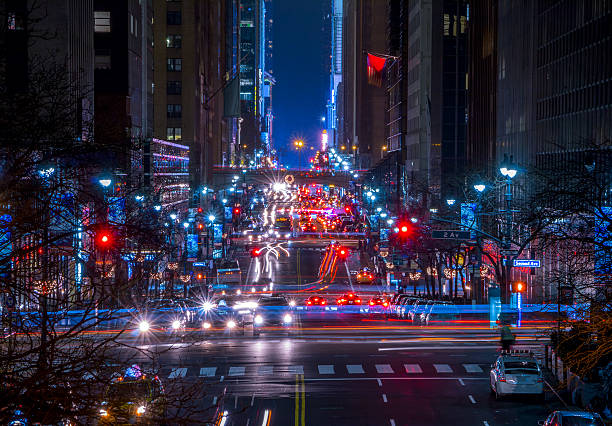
{"x": 174, "y": 133}
{"x": 174, "y": 41}
{"x": 175, "y": 64}
{"x": 102, "y": 22}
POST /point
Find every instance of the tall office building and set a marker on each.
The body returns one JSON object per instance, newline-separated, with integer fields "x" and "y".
{"x": 252, "y": 68}
{"x": 123, "y": 84}
{"x": 335, "y": 75}
{"x": 363, "y": 104}
{"x": 190, "y": 71}
{"x": 436, "y": 72}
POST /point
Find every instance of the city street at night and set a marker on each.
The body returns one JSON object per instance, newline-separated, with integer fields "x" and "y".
{"x": 307, "y": 213}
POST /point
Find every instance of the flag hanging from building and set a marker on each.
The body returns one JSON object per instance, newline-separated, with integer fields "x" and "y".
{"x": 231, "y": 98}
{"x": 376, "y": 67}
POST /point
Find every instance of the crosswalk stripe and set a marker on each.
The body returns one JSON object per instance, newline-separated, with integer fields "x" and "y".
{"x": 443, "y": 368}
{"x": 236, "y": 371}
{"x": 208, "y": 371}
{"x": 384, "y": 368}
{"x": 265, "y": 370}
{"x": 177, "y": 372}
{"x": 413, "y": 368}
{"x": 296, "y": 369}
{"x": 472, "y": 368}
{"x": 355, "y": 368}
{"x": 326, "y": 369}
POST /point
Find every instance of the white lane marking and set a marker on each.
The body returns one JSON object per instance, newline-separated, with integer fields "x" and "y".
{"x": 221, "y": 379}
{"x": 431, "y": 348}
{"x": 472, "y": 368}
{"x": 461, "y": 381}
{"x": 384, "y": 368}
{"x": 236, "y": 401}
{"x": 392, "y": 422}
{"x": 236, "y": 371}
{"x": 355, "y": 368}
{"x": 384, "y": 397}
{"x": 379, "y": 382}
{"x": 265, "y": 370}
{"x": 485, "y": 423}
{"x": 472, "y": 400}
{"x": 252, "y": 400}
{"x": 215, "y": 400}
{"x": 413, "y": 368}
{"x": 208, "y": 371}
{"x": 296, "y": 369}
{"x": 177, "y": 372}
{"x": 326, "y": 369}
{"x": 443, "y": 368}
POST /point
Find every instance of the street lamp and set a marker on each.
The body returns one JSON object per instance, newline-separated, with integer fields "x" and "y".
{"x": 211, "y": 218}
{"x": 105, "y": 182}
{"x": 508, "y": 170}
{"x": 173, "y": 216}
{"x": 450, "y": 201}
{"x": 480, "y": 187}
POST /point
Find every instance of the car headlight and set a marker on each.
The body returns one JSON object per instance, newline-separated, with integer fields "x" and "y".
{"x": 292, "y": 303}
{"x": 258, "y": 319}
{"x": 208, "y": 306}
{"x": 231, "y": 324}
{"x": 176, "y": 324}
{"x": 144, "y": 326}
{"x": 287, "y": 235}
{"x": 287, "y": 318}
{"x": 103, "y": 412}
{"x": 206, "y": 325}
{"x": 140, "y": 410}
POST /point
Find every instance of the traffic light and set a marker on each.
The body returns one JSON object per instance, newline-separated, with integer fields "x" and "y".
{"x": 200, "y": 226}
{"x": 200, "y": 210}
{"x": 518, "y": 287}
{"x": 199, "y": 276}
{"x": 347, "y": 209}
{"x": 342, "y": 252}
{"x": 104, "y": 239}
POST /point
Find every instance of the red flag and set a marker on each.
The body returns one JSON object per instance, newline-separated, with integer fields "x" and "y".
{"x": 376, "y": 65}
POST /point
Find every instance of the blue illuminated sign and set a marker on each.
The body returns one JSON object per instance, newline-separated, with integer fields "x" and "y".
{"x": 527, "y": 263}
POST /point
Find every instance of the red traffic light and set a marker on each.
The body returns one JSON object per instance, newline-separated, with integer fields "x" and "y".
{"x": 200, "y": 226}
{"x": 104, "y": 239}
{"x": 347, "y": 209}
{"x": 200, "y": 210}
{"x": 237, "y": 210}
{"x": 342, "y": 252}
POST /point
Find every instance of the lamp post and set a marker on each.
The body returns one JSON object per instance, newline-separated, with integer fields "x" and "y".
{"x": 299, "y": 144}
{"x": 477, "y": 289}
{"x": 508, "y": 170}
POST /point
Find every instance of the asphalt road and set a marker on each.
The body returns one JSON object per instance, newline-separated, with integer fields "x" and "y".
{"x": 337, "y": 368}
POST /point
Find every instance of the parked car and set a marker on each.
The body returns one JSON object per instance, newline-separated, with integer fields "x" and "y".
{"x": 572, "y": 418}
{"x": 516, "y": 372}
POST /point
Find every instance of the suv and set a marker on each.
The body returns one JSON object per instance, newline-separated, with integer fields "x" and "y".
{"x": 516, "y": 372}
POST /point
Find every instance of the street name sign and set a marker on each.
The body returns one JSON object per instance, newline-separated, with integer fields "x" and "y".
{"x": 450, "y": 234}
{"x": 527, "y": 263}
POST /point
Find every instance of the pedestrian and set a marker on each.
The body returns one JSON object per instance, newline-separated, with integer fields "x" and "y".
{"x": 507, "y": 338}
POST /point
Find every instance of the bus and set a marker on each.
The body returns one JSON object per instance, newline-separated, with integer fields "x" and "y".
{"x": 228, "y": 273}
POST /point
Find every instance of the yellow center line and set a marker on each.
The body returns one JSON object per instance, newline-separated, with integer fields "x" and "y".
{"x": 297, "y": 401}
{"x": 303, "y": 401}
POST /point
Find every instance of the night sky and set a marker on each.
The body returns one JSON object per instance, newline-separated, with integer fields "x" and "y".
{"x": 301, "y": 69}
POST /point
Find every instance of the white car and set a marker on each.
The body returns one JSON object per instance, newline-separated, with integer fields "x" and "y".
{"x": 516, "y": 372}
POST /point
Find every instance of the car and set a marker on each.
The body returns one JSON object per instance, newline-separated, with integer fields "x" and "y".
{"x": 309, "y": 227}
{"x": 229, "y": 313}
{"x": 165, "y": 315}
{"x": 379, "y": 301}
{"x": 405, "y": 307}
{"x": 313, "y": 301}
{"x": 572, "y": 418}
{"x": 273, "y": 310}
{"x": 365, "y": 276}
{"x": 134, "y": 397}
{"x": 438, "y": 311}
{"x": 348, "y": 299}
{"x": 516, "y": 372}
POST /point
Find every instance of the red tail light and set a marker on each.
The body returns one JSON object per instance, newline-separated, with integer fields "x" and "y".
{"x": 309, "y": 303}
{"x": 357, "y": 300}
{"x": 385, "y": 304}
{"x": 371, "y": 276}
{"x": 371, "y": 302}
{"x": 323, "y": 302}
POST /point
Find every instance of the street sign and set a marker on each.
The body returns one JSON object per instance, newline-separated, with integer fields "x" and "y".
{"x": 450, "y": 234}
{"x": 509, "y": 252}
{"x": 527, "y": 263}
